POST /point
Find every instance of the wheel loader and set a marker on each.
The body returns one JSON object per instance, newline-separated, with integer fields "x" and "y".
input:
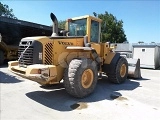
{"x": 75, "y": 56}
{"x": 7, "y": 52}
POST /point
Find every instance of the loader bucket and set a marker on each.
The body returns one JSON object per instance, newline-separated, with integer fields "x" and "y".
{"x": 134, "y": 68}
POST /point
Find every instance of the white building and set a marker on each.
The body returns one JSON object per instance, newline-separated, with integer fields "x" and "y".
{"x": 149, "y": 54}
{"x": 125, "y": 49}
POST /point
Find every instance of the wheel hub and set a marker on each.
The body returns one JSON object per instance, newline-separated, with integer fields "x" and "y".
{"x": 87, "y": 78}
{"x": 123, "y": 70}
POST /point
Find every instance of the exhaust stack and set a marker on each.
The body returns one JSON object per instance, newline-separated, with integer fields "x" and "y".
{"x": 55, "y": 25}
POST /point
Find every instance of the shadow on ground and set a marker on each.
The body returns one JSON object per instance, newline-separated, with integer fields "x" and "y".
{"x": 60, "y": 100}
{"x": 158, "y": 68}
{"x": 6, "y": 78}
{"x": 141, "y": 79}
{"x": 4, "y": 65}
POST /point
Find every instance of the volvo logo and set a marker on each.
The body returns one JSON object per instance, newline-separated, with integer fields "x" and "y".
{"x": 65, "y": 43}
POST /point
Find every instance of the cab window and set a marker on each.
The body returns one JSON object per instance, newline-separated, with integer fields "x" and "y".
{"x": 94, "y": 31}
{"x": 77, "y": 27}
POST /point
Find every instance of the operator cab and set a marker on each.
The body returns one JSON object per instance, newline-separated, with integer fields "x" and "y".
{"x": 85, "y": 25}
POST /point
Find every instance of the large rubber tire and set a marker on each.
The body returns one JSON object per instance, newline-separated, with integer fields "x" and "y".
{"x": 75, "y": 81}
{"x": 120, "y": 72}
{"x": 1, "y": 57}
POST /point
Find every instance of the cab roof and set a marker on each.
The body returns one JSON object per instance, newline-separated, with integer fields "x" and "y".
{"x": 87, "y": 16}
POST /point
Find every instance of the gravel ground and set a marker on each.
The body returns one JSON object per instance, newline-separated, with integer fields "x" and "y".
{"x": 22, "y": 99}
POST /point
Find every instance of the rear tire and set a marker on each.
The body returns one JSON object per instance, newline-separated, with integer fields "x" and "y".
{"x": 120, "y": 72}
{"x": 81, "y": 77}
{"x": 1, "y": 57}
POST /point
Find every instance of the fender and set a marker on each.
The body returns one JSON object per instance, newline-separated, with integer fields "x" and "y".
{"x": 109, "y": 67}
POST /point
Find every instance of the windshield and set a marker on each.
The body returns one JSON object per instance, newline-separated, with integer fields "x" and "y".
{"x": 77, "y": 27}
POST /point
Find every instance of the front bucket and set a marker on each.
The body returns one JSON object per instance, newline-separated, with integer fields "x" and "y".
{"x": 134, "y": 68}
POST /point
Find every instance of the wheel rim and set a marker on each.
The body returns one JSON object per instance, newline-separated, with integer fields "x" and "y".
{"x": 123, "y": 70}
{"x": 87, "y": 78}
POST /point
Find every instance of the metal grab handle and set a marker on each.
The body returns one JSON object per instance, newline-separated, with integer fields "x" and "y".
{"x": 28, "y": 43}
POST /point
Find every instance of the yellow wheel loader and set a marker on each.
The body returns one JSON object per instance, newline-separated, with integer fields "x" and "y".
{"x": 7, "y": 52}
{"x": 74, "y": 55}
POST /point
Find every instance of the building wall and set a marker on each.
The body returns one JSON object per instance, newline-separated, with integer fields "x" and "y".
{"x": 146, "y": 56}
{"x": 124, "y": 47}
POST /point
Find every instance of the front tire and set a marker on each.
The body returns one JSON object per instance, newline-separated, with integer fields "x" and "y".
{"x": 81, "y": 77}
{"x": 120, "y": 72}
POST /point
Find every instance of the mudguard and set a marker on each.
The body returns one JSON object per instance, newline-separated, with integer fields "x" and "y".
{"x": 110, "y": 67}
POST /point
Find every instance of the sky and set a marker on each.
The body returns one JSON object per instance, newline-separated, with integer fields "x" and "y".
{"x": 141, "y": 18}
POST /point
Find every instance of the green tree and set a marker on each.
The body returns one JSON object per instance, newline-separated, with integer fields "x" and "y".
{"x": 61, "y": 24}
{"x": 112, "y": 29}
{"x": 6, "y": 11}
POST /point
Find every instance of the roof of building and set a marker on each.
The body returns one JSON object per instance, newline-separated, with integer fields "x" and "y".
{"x": 146, "y": 45}
{"x": 123, "y": 47}
{"x": 12, "y": 30}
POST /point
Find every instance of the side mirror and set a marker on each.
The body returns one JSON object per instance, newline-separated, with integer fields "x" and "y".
{"x": 63, "y": 33}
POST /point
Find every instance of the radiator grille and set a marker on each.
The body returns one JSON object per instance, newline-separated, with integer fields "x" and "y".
{"x": 48, "y": 54}
{"x": 27, "y": 56}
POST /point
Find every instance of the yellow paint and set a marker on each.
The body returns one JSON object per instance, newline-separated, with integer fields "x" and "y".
{"x": 87, "y": 78}
{"x": 109, "y": 58}
{"x": 89, "y": 29}
{"x": 123, "y": 70}
{"x": 89, "y": 19}
{"x": 97, "y": 47}
{"x": 13, "y": 63}
{"x": 60, "y": 57}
